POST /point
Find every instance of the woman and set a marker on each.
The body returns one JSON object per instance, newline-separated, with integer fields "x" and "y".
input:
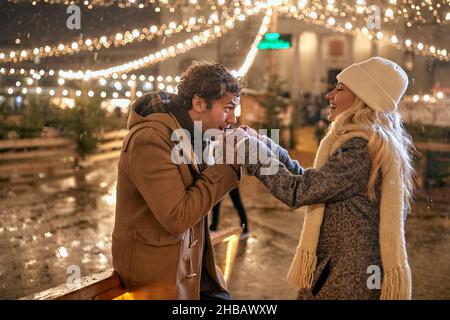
{"x": 356, "y": 194}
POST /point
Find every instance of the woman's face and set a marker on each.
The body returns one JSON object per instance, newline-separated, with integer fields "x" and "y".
{"x": 341, "y": 98}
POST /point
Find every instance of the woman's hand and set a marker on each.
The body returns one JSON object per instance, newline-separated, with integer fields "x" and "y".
{"x": 282, "y": 155}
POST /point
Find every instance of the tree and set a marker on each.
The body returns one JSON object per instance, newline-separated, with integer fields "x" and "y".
{"x": 34, "y": 116}
{"x": 83, "y": 121}
{"x": 275, "y": 106}
{"x": 5, "y": 111}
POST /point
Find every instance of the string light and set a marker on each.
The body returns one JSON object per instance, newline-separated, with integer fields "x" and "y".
{"x": 251, "y": 55}
{"x": 97, "y": 43}
{"x": 204, "y": 37}
{"x": 389, "y": 13}
{"x": 123, "y": 4}
{"x": 167, "y": 82}
{"x": 196, "y": 41}
{"x": 304, "y": 14}
{"x": 428, "y": 11}
{"x": 428, "y": 98}
{"x": 119, "y": 39}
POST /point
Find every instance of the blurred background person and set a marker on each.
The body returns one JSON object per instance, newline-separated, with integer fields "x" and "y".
{"x": 239, "y": 206}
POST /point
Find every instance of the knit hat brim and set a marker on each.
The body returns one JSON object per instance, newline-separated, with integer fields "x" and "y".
{"x": 362, "y": 84}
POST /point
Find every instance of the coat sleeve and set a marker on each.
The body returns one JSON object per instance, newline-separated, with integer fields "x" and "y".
{"x": 291, "y": 165}
{"x": 343, "y": 176}
{"x": 159, "y": 181}
{"x": 283, "y": 156}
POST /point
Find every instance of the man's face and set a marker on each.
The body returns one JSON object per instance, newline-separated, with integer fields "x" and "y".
{"x": 221, "y": 114}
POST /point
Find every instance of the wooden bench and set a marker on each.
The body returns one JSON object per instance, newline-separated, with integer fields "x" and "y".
{"x": 106, "y": 285}
{"x": 19, "y": 157}
{"x": 108, "y": 147}
{"x": 432, "y": 146}
{"x": 22, "y": 158}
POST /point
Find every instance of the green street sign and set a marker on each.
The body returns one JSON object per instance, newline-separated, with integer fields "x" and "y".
{"x": 275, "y": 41}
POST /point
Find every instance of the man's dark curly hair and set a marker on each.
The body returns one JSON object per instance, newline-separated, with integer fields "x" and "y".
{"x": 207, "y": 80}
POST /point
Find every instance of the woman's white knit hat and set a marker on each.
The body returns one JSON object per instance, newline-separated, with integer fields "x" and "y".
{"x": 378, "y": 82}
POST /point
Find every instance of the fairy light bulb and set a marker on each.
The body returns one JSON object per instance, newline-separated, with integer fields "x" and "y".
{"x": 389, "y": 13}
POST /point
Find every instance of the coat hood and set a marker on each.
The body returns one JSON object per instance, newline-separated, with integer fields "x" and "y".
{"x": 143, "y": 107}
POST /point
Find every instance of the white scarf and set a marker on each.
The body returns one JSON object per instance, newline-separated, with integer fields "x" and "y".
{"x": 397, "y": 276}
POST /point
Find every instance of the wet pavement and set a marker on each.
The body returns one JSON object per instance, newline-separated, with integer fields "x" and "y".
{"x": 49, "y": 225}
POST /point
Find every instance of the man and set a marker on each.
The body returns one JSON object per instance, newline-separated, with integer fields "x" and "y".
{"x": 161, "y": 245}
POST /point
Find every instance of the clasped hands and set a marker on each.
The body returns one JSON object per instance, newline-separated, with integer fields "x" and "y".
{"x": 240, "y": 146}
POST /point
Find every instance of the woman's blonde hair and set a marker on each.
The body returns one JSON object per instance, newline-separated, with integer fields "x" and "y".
{"x": 387, "y": 139}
